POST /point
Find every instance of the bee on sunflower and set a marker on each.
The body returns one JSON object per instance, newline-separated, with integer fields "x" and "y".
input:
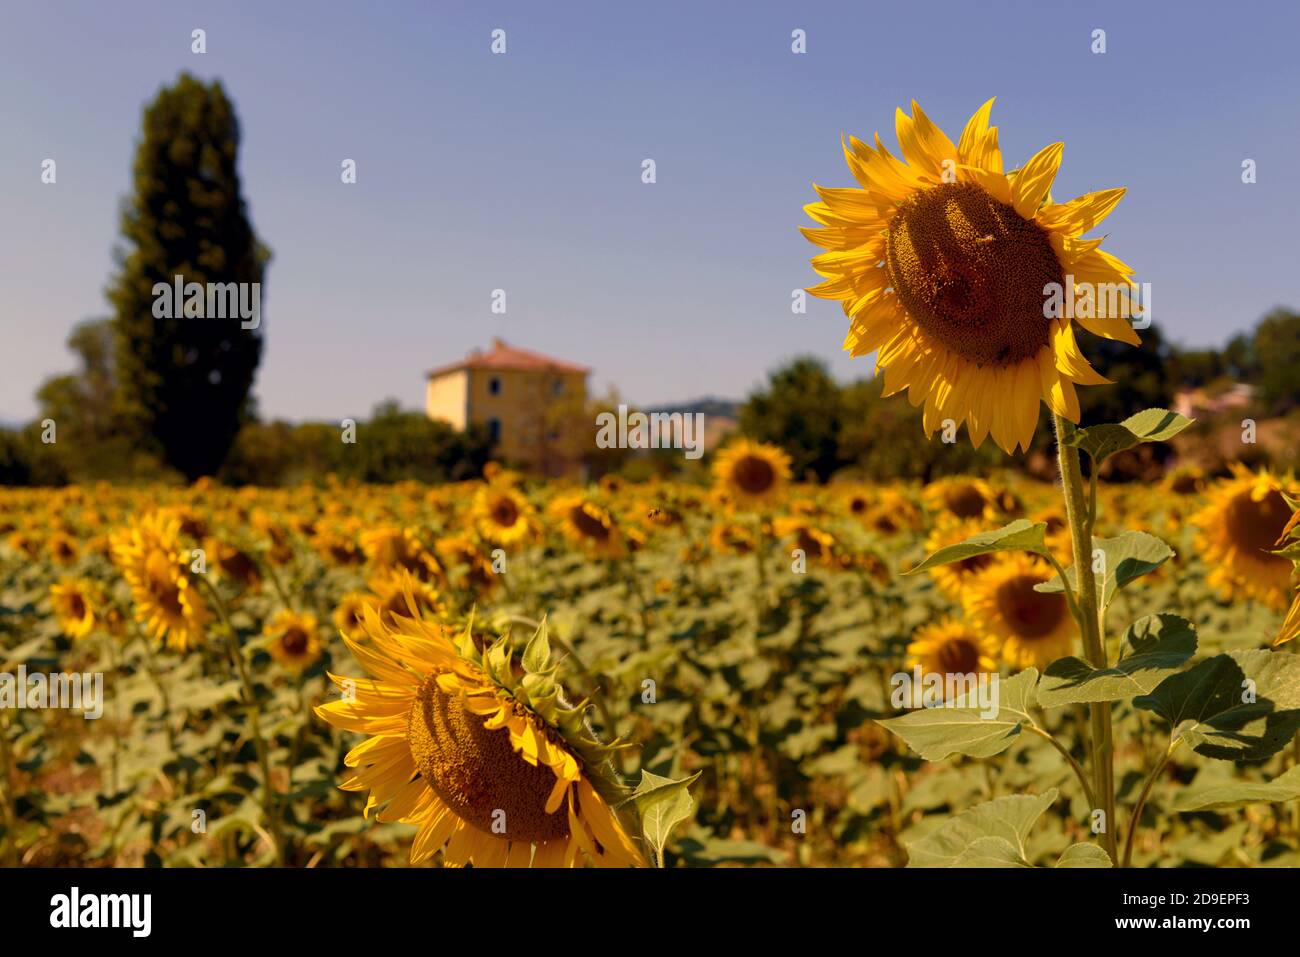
{"x": 942, "y": 262}
{"x": 478, "y": 748}
{"x": 1238, "y": 530}
{"x": 751, "y": 474}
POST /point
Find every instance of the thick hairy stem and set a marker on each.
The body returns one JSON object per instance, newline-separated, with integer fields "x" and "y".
{"x": 1078, "y": 513}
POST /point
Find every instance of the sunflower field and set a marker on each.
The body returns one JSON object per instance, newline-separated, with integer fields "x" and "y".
{"x": 653, "y": 673}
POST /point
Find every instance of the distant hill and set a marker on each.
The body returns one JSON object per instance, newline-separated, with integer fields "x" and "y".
{"x": 711, "y": 406}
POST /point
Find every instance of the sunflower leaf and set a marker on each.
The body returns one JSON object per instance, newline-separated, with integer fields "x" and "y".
{"x": 1284, "y": 787}
{"x": 1150, "y": 425}
{"x": 1116, "y": 562}
{"x": 662, "y": 803}
{"x": 1238, "y": 706}
{"x": 1161, "y": 644}
{"x": 1021, "y": 535}
{"x": 1084, "y": 855}
{"x": 992, "y": 834}
{"x": 935, "y": 733}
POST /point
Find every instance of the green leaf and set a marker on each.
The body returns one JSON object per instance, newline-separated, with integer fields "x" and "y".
{"x": 1150, "y": 425}
{"x": 935, "y": 733}
{"x": 1125, "y": 557}
{"x": 991, "y": 834}
{"x": 662, "y": 803}
{"x": 1284, "y": 787}
{"x": 1084, "y": 855}
{"x": 1160, "y": 644}
{"x": 1239, "y": 706}
{"x": 1021, "y": 535}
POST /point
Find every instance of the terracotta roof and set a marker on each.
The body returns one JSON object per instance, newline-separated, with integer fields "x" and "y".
{"x": 504, "y": 356}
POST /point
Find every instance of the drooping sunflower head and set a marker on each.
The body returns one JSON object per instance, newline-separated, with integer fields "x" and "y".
{"x": 1033, "y": 628}
{"x": 586, "y": 522}
{"x": 503, "y": 514}
{"x": 150, "y": 557}
{"x": 751, "y": 474}
{"x": 475, "y": 745}
{"x": 1238, "y": 531}
{"x": 76, "y": 602}
{"x": 945, "y": 265}
{"x": 293, "y": 639}
{"x": 731, "y": 538}
{"x": 467, "y": 563}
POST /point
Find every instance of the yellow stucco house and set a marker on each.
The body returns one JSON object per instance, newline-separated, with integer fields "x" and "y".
{"x": 534, "y": 407}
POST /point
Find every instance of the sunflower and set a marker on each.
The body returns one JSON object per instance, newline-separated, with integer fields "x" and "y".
{"x": 391, "y": 594}
{"x": 349, "y": 612}
{"x": 233, "y": 562}
{"x": 751, "y": 474}
{"x": 817, "y": 545}
{"x": 76, "y": 602}
{"x": 154, "y": 565}
{"x": 466, "y": 552}
{"x": 478, "y": 751}
{"x": 503, "y": 515}
{"x": 943, "y": 263}
{"x": 950, "y": 647}
{"x": 961, "y": 497}
{"x": 586, "y": 522}
{"x": 953, "y": 577}
{"x": 294, "y": 639}
{"x": 731, "y": 538}
{"x": 1034, "y": 628}
{"x": 62, "y": 549}
{"x": 392, "y": 549}
{"x": 1239, "y": 527}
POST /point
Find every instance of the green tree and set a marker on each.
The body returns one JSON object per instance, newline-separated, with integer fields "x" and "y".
{"x": 184, "y": 382}
{"x": 1277, "y": 355}
{"x": 801, "y": 410}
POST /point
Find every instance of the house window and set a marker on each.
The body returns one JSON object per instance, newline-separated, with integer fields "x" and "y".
{"x": 557, "y": 387}
{"x": 494, "y": 429}
{"x": 494, "y": 386}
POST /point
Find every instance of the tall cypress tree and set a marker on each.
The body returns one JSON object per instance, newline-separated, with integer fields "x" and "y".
{"x": 184, "y": 382}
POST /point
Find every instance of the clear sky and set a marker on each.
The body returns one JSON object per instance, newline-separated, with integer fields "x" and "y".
{"x": 523, "y": 171}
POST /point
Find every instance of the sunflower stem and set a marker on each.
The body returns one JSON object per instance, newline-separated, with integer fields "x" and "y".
{"x": 1077, "y": 512}
{"x": 269, "y": 803}
{"x": 1142, "y": 801}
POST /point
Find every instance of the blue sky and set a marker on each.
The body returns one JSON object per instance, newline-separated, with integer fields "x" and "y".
{"x": 522, "y": 171}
